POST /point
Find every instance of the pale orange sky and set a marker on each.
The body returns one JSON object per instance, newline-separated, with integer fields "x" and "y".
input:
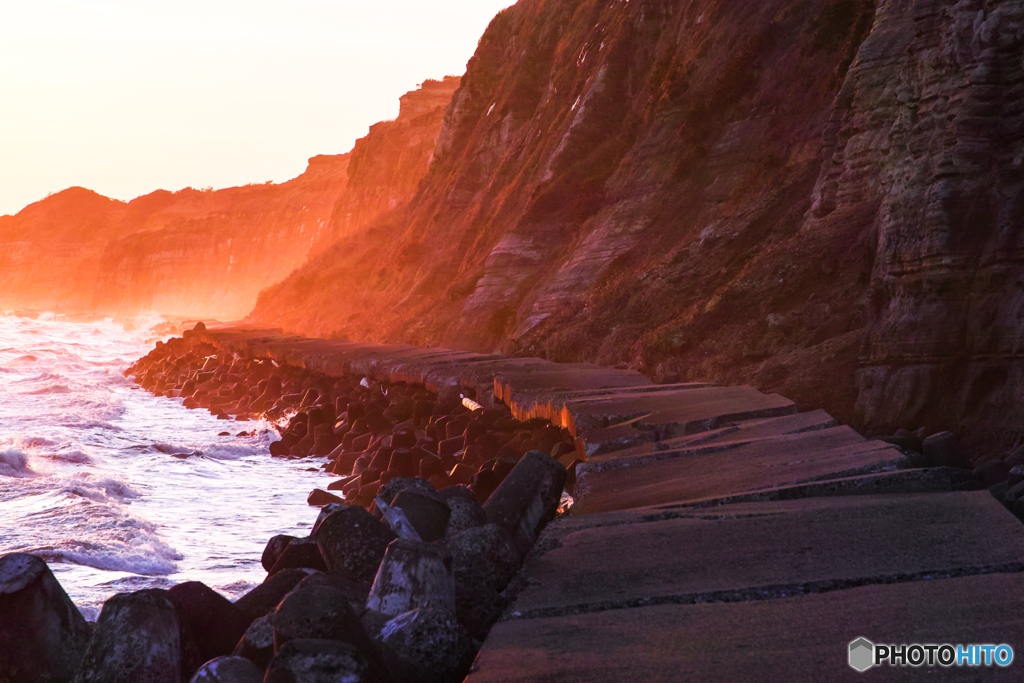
{"x": 125, "y": 97}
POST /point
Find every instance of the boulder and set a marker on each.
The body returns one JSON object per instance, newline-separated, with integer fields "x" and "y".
{"x": 300, "y": 553}
{"x": 1013, "y": 494}
{"x": 943, "y": 450}
{"x": 138, "y": 639}
{"x": 319, "y": 497}
{"x": 465, "y": 513}
{"x": 432, "y": 643}
{"x": 1015, "y": 458}
{"x": 257, "y": 645}
{"x": 992, "y": 472}
{"x": 228, "y": 670}
{"x": 1015, "y": 476}
{"x": 413, "y": 574}
{"x": 399, "y": 484}
{"x": 352, "y": 543}
{"x": 215, "y": 623}
{"x": 324, "y": 511}
{"x": 354, "y": 592}
{"x": 457, "y": 491}
{"x": 477, "y": 607}
{"x": 373, "y": 622}
{"x": 905, "y": 439}
{"x": 483, "y": 484}
{"x": 265, "y": 596}
{"x": 483, "y": 556}
{"x": 527, "y": 499}
{"x": 316, "y": 612}
{"x": 272, "y": 551}
{"x": 324, "y": 613}
{"x": 427, "y": 513}
{"x": 999, "y": 490}
{"x": 315, "y": 660}
{"x": 42, "y": 634}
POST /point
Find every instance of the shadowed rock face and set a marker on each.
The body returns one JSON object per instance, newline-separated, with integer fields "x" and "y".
{"x": 42, "y": 633}
{"x": 948, "y": 175}
{"x": 821, "y": 197}
{"x": 138, "y": 638}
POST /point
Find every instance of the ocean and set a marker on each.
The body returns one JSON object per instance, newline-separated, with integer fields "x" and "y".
{"x": 119, "y": 490}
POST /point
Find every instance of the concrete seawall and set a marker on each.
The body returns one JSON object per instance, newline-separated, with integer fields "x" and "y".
{"x": 718, "y": 533}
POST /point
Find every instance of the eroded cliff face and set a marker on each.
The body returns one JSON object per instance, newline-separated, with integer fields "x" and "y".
{"x": 822, "y": 197}
{"x": 944, "y": 151}
{"x": 50, "y": 252}
{"x": 389, "y": 163}
{"x": 208, "y": 253}
{"x": 620, "y": 182}
{"x": 189, "y": 253}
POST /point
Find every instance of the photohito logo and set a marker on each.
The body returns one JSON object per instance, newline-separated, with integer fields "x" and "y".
{"x": 864, "y": 654}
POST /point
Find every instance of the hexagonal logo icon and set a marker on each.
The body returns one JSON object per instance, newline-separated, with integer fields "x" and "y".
{"x": 862, "y": 654}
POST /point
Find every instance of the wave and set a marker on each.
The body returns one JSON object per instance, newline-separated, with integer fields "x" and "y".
{"x": 74, "y": 422}
{"x": 170, "y": 449}
{"x": 229, "y": 451}
{"x": 14, "y": 463}
{"x": 35, "y": 442}
{"x": 52, "y": 389}
{"x": 76, "y": 457}
{"x": 102, "y": 490}
{"x": 148, "y": 559}
{"x": 84, "y": 520}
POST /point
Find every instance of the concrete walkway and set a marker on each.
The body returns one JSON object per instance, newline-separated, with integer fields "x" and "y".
{"x": 718, "y": 534}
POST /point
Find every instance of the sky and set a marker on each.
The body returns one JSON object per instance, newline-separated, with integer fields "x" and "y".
{"x": 128, "y": 96}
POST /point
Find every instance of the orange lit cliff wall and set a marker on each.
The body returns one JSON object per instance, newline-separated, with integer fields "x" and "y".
{"x": 208, "y": 253}
{"x": 822, "y": 197}
{"x": 192, "y": 252}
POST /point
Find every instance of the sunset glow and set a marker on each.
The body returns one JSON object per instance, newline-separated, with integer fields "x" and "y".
{"x": 125, "y": 97}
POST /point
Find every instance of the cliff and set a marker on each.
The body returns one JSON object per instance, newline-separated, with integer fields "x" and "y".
{"x": 191, "y": 253}
{"x": 210, "y": 253}
{"x": 821, "y": 197}
{"x": 199, "y": 253}
{"x": 389, "y": 163}
{"x": 53, "y": 246}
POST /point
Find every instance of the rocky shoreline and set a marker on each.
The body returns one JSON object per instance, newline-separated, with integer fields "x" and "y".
{"x": 436, "y": 503}
{"x": 438, "y": 551}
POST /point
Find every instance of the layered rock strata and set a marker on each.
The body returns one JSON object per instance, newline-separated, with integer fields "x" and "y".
{"x": 205, "y": 253}
{"x": 819, "y": 197}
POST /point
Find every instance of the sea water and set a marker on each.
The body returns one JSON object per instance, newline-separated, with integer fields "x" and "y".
{"x": 119, "y": 490}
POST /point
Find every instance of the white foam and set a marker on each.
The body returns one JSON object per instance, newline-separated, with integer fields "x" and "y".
{"x": 35, "y": 442}
{"x": 51, "y": 389}
{"x": 102, "y": 490}
{"x": 76, "y": 456}
{"x": 95, "y": 489}
{"x": 148, "y": 559}
{"x": 230, "y": 451}
{"x": 14, "y": 463}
